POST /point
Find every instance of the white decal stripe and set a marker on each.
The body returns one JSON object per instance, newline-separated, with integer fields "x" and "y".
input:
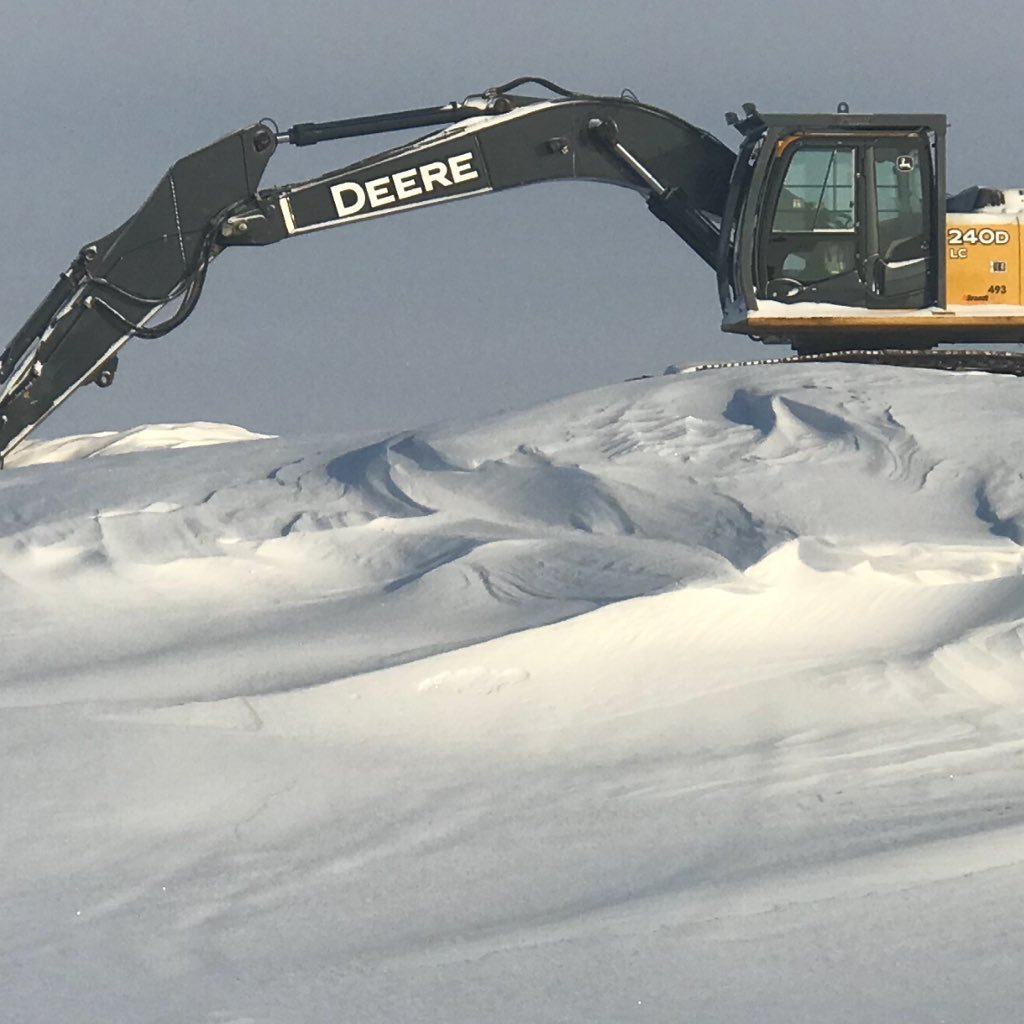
{"x": 286, "y": 213}
{"x": 383, "y": 213}
{"x": 112, "y": 351}
{"x": 24, "y": 365}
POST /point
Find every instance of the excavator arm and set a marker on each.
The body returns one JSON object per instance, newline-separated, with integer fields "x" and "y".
{"x": 210, "y": 201}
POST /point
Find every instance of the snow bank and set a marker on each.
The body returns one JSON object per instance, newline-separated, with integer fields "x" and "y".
{"x": 691, "y": 698}
{"x": 146, "y": 438}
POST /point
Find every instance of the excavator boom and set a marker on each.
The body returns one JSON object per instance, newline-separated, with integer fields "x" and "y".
{"x": 211, "y": 200}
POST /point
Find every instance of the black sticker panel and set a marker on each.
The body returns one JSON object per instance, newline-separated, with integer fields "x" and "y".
{"x": 436, "y": 173}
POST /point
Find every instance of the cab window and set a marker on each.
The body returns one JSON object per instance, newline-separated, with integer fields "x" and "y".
{"x": 818, "y": 191}
{"x": 900, "y": 200}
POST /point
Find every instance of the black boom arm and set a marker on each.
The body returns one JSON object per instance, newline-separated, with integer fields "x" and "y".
{"x": 210, "y": 200}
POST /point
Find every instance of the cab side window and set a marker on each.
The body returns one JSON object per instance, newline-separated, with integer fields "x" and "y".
{"x": 818, "y": 191}
{"x": 900, "y": 202}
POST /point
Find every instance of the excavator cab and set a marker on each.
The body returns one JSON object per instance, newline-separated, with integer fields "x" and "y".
{"x": 833, "y": 224}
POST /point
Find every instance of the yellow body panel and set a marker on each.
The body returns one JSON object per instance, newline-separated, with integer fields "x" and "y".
{"x": 983, "y": 260}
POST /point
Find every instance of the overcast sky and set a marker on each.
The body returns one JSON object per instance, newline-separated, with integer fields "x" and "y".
{"x": 482, "y": 305}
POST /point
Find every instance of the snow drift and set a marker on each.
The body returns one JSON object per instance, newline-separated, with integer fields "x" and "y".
{"x": 696, "y": 698}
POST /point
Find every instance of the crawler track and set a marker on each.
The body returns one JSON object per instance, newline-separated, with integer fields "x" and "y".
{"x": 957, "y": 360}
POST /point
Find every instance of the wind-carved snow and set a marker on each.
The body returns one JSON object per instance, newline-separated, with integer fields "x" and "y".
{"x": 697, "y": 698}
{"x": 163, "y": 435}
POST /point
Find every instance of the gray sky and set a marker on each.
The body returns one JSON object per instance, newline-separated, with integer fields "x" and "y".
{"x": 476, "y": 306}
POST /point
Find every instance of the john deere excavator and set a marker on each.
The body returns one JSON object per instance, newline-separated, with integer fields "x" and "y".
{"x": 827, "y": 232}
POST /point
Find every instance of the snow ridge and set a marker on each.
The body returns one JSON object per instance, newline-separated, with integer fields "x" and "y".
{"x": 656, "y": 700}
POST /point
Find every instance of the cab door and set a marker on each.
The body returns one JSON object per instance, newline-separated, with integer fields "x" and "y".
{"x": 848, "y": 221}
{"x": 900, "y": 266}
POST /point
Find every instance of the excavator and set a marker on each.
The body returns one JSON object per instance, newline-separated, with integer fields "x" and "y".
{"x": 830, "y": 233}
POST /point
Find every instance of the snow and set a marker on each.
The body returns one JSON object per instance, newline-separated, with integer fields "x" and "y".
{"x": 771, "y": 308}
{"x": 162, "y": 435}
{"x": 1012, "y": 205}
{"x": 693, "y": 698}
